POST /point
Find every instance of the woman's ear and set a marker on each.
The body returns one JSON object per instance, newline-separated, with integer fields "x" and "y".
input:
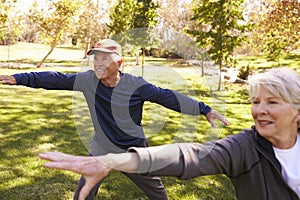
{"x": 297, "y": 117}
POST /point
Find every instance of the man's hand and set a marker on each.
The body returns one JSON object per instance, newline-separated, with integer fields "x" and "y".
{"x": 91, "y": 168}
{"x": 212, "y": 115}
{"x": 8, "y": 80}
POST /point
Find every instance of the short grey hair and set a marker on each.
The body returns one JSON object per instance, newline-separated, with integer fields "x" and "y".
{"x": 283, "y": 83}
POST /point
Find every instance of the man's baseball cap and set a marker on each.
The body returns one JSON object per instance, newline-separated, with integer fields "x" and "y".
{"x": 106, "y": 45}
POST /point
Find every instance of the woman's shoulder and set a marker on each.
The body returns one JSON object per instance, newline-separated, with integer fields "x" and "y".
{"x": 245, "y": 136}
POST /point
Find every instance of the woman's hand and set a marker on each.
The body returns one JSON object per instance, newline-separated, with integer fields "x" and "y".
{"x": 91, "y": 168}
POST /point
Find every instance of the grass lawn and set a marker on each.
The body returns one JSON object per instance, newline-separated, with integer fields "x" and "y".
{"x": 291, "y": 60}
{"x": 37, "y": 120}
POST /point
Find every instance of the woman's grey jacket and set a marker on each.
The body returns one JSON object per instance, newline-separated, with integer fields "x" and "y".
{"x": 246, "y": 158}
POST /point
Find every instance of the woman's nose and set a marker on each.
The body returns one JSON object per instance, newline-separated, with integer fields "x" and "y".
{"x": 262, "y": 108}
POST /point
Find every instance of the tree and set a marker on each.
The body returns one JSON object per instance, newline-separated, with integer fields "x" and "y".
{"x": 175, "y": 15}
{"x": 278, "y": 28}
{"x": 91, "y": 26}
{"x": 146, "y": 15}
{"x": 142, "y": 14}
{"x": 174, "y": 19}
{"x": 9, "y": 31}
{"x": 143, "y": 18}
{"x": 219, "y": 28}
{"x": 4, "y": 13}
{"x": 134, "y": 30}
{"x": 53, "y": 23}
{"x": 120, "y": 20}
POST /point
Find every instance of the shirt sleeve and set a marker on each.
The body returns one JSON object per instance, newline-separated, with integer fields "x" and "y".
{"x": 231, "y": 156}
{"x": 173, "y": 100}
{"x": 182, "y": 160}
{"x": 47, "y": 80}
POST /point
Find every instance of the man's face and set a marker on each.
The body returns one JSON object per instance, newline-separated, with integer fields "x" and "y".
{"x": 104, "y": 66}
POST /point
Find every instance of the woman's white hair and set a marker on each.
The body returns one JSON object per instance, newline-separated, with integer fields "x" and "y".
{"x": 283, "y": 83}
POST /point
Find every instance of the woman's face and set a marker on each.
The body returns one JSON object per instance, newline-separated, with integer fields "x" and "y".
{"x": 104, "y": 66}
{"x": 275, "y": 119}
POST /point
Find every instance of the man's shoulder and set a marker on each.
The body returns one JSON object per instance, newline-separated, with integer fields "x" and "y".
{"x": 86, "y": 78}
{"x": 86, "y": 74}
{"x": 127, "y": 75}
{"x": 132, "y": 78}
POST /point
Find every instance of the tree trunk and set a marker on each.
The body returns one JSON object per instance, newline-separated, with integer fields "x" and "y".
{"x": 202, "y": 65}
{"x": 43, "y": 60}
{"x": 87, "y": 45}
{"x": 137, "y": 59}
{"x": 220, "y": 76}
{"x": 143, "y": 62}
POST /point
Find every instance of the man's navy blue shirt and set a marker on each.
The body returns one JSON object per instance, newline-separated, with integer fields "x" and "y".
{"x": 116, "y": 112}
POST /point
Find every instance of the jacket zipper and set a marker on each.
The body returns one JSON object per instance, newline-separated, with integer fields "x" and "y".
{"x": 272, "y": 163}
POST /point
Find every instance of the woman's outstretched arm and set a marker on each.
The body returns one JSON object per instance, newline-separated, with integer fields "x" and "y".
{"x": 93, "y": 169}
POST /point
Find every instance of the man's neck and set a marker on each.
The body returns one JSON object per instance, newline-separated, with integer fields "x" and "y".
{"x": 112, "y": 81}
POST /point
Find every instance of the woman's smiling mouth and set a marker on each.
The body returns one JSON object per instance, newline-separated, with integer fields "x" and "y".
{"x": 264, "y": 123}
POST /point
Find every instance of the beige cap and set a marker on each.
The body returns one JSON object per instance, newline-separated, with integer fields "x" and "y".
{"x": 106, "y": 45}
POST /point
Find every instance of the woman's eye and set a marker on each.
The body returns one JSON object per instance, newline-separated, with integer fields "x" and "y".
{"x": 273, "y": 102}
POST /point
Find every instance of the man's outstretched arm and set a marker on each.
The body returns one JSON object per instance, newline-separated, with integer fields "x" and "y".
{"x": 179, "y": 102}
{"x": 46, "y": 79}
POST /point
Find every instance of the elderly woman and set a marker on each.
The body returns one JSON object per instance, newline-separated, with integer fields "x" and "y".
{"x": 262, "y": 162}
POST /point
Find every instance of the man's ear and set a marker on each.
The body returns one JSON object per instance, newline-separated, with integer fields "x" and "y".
{"x": 121, "y": 61}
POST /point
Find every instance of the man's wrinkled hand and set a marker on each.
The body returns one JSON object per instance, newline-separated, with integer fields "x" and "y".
{"x": 8, "y": 80}
{"x": 214, "y": 115}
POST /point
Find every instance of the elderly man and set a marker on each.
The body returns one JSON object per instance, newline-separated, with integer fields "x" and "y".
{"x": 115, "y": 101}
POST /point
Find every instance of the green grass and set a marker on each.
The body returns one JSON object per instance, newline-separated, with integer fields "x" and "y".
{"x": 33, "y": 53}
{"x": 37, "y": 120}
{"x": 291, "y": 60}
{"x": 33, "y": 121}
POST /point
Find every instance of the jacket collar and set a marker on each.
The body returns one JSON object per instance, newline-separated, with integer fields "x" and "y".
{"x": 266, "y": 148}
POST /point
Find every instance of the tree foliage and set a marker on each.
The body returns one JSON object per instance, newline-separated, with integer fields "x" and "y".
{"x": 175, "y": 15}
{"x": 174, "y": 19}
{"x": 279, "y": 28}
{"x": 4, "y": 13}
{"x": 129, "y": 22}
{"x": 146, "y": 14}
{"x": 144, "y": 20}
{"x": 53, "y": 23}
{"x": 219, "y": 28}
{"x": 9, "y": 30}
{"x": 91, "y": 25}
{"x": 132, "y": 23}
{"x": 121, "y": 16}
